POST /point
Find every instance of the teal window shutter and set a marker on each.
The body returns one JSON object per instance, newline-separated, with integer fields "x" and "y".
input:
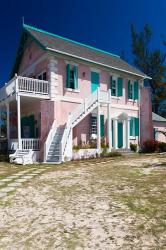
{"x": 136, "y": 126}
{"x": 131, "y": 126}
{"x": 129, "y": 89}
{"x": 120, "y": 86}
{"x": 31, "y": 120}
{"x": 75, "y": 77}
{"x": 101, "y": 125}
{"x": 95, "y": 82}
{"x": 68, "y": 76}
{"x": 136, "y": 90}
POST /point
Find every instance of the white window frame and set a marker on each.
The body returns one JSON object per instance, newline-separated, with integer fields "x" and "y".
{"x": 72, "y": 64}
{"x": 132, "y": 84}
{"x": 115, "y": 78}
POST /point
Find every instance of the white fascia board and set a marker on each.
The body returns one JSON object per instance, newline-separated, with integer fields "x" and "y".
{"x": 101, "y": 64}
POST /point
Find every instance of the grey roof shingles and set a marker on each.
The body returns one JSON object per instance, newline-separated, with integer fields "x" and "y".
{"x": 158, "y": 118}
{"x": 57, "y": 43}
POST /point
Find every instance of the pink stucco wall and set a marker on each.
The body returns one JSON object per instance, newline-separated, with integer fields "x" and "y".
{"x": 47, "y": 118}
{"x": 31, "y": 54}
{"x": 160, "y": 126}
{"x": 84, "y": 83}
{"x": 146, "y": 126}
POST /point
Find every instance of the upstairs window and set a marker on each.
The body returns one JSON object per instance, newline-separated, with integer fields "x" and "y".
{"x": 71, "y": 77}
{"x": 133, "y": 90}
{"x": 42, "y": 76}
{"x": 116, "y": 86}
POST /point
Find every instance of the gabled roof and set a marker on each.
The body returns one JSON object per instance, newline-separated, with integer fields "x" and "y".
{"x": 158, "y": 118}
{"x": 58, "y": 44}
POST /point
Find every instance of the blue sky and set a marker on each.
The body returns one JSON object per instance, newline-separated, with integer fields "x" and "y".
{"x": 104, "y": 24}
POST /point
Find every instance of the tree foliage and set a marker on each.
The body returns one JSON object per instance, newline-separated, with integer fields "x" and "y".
{"x": 151, "y": 62}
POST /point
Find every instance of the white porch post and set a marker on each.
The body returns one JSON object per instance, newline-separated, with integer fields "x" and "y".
{"x": 116, "y": 133}
{"x": 98, "y": 129}
{"x": 128, "y": 134}
{"x": 125, "y": 134}
{"x": 19, "y": 122}
{"x": 109, "y": 125}
{"x": 8, "y": 124}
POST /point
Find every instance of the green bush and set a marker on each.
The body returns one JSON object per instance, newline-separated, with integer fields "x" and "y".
{"x": 162, "y": 146}
{"x": 76, "y": 147}
{"x": 109, "y": 154}
{"x": 133, "y": 147}
{"x": 150, "y": 146}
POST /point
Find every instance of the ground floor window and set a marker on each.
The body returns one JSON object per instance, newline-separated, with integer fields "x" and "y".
{"x": 94, "y": 125}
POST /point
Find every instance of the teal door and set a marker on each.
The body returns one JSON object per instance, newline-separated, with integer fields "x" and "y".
{"x": 120, "y": 134}
{"x": 94, "y": 81}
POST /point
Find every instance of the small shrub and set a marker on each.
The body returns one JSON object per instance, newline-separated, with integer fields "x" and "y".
{"x": 150, "y": 146}
{"x": 109, "y": 154}
{"x": 114, "y": 154}
{"x": 133, "y": 147}
{"x": 76, "y": 147}
{"x": 162, "y": 146}
{"x": 104, "y": 153}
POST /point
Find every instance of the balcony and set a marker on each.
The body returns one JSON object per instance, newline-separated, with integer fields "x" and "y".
{"x": 27, "y": 87}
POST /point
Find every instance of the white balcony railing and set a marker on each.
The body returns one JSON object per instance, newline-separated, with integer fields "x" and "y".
{"x": 26, "y": 143}
{"x": 25, "y": 85}
{"x": 33, "y": 85}
{"x": 30, "y": 143}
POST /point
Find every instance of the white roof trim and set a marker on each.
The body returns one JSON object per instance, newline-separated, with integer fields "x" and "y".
{"x": 102, "y": 64}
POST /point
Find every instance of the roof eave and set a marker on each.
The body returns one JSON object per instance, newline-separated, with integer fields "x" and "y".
{"x": 101, "y": 64}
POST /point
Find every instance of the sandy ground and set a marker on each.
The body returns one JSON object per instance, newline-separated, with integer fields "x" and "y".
{"x": 113, "y": 205}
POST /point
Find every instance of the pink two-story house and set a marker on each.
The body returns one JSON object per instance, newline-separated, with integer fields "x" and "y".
{"x": 63, "y": 93}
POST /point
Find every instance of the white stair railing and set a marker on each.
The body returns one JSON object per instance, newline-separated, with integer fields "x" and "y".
{"x": 49, "y": 139}
{"x": 83, "y": 107}
{"x": 65, "y": 137}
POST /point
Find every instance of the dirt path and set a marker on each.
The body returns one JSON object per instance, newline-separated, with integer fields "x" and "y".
{"x": 116, "y": 205}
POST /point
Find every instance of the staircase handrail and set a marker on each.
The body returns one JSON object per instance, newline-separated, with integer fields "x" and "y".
{"x": 88, "y": 102}
{"x": 49, "y": 139}
{"x": 65, "y": 136}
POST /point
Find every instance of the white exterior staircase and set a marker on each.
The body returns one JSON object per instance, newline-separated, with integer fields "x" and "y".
{"x": 58, "y": 146}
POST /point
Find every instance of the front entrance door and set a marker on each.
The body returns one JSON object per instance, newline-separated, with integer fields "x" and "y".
{"x": 120, "y": 134}
{"x": 94, "y": 81}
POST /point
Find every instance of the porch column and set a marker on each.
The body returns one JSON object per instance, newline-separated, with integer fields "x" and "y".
{"x": 125, "y": 134}
{"x": 8, "y": 124}
{"x": 19, "y": 122}
{"x": 109, "y": 125}
{"x": 116, "y": 133}
{"x": 128, "y": 134}
{"x": 98, "y": 129}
